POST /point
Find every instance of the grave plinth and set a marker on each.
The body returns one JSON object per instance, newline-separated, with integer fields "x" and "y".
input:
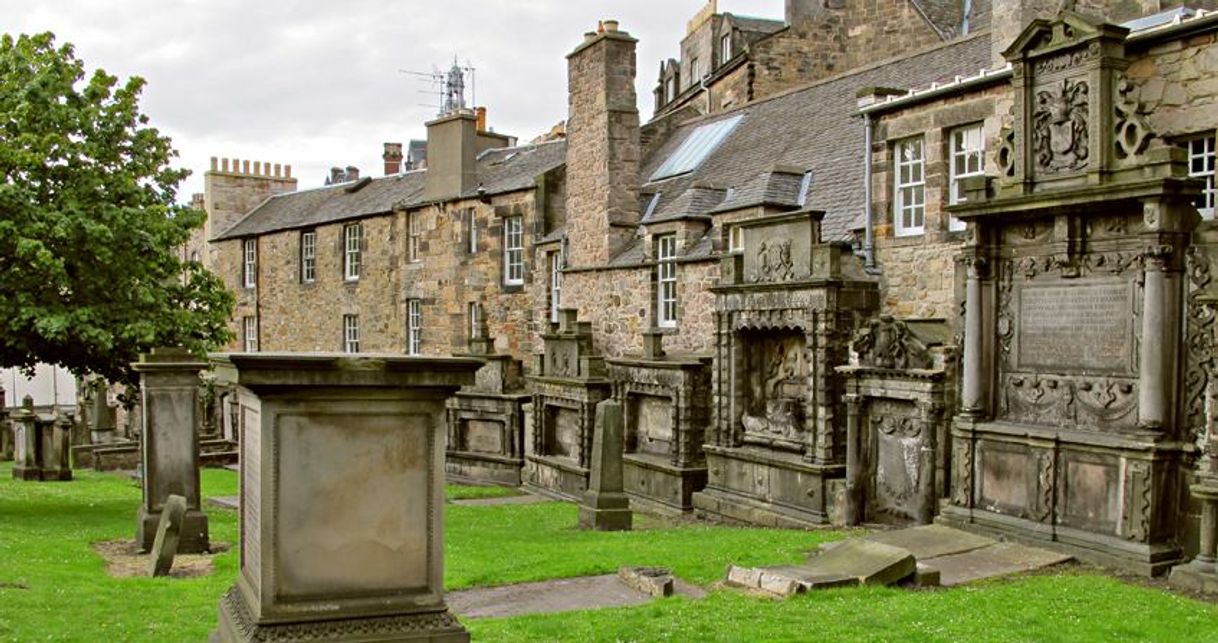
{"x": 169, "y": 455}
{"x": 342, "y": 483}
{"x": 26, "y": 441}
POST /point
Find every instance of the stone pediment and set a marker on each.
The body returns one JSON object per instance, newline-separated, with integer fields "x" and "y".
{"x": 1067, "y": 30}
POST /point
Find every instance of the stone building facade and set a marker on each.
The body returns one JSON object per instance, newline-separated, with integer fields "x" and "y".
{"x": 751, "y": 280}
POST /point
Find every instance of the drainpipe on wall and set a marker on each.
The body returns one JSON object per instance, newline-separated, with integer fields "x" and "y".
{"x": 868, "y": 235}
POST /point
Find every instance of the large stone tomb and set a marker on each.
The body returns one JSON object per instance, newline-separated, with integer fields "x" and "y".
{"x": 896, "y": 428}
{"x": 666, "y": 400}
{"x": 42, "y": 444}
{"x": 342, "y": 492}
{"x": 783, "y": 310}
{"x": 567, "y": 384}
{"x": 486, "y": 420}
{"x": 1072, "y": 429}
{"x": 169, "y": 453}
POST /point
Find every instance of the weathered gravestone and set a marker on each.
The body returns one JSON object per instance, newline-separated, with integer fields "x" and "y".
{"x": 41, "y": 444}
{"x": 6, "y": 433}
{"x": 104, "y": 422}
{"x": 25, "y": 442}
{"x": 169, "y": 454}
{"x": 168, "y": 536}
{"x": 342, "y": 497}
{"x": 605, "y": 506}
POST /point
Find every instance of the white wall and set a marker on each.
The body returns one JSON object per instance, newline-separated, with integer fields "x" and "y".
{"x": 49, "y": 385}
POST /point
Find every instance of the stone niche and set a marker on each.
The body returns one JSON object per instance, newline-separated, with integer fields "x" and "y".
{"x": 342, "y": 495}
{"x": 1072, "y": 427}
{"x": 567, "y": 384}
{"x": 897, "y": 393}
{"x": 666, "y": 402}
{"x": 783, "y": 312}
{"x": 486, "y": 420}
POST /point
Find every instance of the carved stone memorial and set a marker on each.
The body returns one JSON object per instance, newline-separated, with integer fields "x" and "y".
{"x": 783, "y": 312}
{"x": 605, "y": 506}
{"x": 169, "y": 450}
{"x": 666, "y": 400}
{"x": 486, "y": 421}
{"x": 896, "y": 430}
{"x": 1071, "y": 429}
{"x": 568, "y": 383}
{"x": 342, "y": 494}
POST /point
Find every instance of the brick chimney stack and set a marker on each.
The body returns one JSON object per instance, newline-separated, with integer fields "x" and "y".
{"x": 393, "y": 158}
{"x": 602, "y": 146}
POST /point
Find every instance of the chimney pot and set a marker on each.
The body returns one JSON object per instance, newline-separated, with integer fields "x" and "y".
{"x": 352, "y": 173}
{"x": 481, "y": 116}
{"x": 611, "y": 26}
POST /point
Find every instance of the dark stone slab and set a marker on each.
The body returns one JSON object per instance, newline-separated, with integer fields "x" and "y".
{"x": 165, "y": 547}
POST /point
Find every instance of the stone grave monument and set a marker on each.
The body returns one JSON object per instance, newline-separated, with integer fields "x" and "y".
{"x": 6, "y": 431}
{"x": 26, "y": 442}
{"x": 342, "y": 495}
{"x": 605, "y": 506}
{"x": 41, "y": 444}
{"x": 666, "y": 401}
{"x": 169, "y": 453}
{"x": 568, "y": 383}
{"x": 168, "y": 536}
{"x": 896, "y": 398}
{"x": 485, "y": 421}
{"x": 783, "y": 310}
{"x": 1071, "y": 428}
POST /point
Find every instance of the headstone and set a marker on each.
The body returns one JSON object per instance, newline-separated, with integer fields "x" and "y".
{"x": 104, "y": 423}
{"x": 169, "y": 453}
{"x": 605, "y": 506}
{"x": 26, "y": 442}
{"x": 56, "y": 447}
{"x": 168, "y": 534}
{"x": 342, "y": 497}
{"x": 6, "y": 432}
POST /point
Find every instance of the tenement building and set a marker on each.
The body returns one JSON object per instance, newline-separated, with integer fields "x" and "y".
{"x": 882, "y": 261}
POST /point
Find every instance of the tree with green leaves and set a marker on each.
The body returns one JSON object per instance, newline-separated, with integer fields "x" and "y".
{"x": 90, "y": 275}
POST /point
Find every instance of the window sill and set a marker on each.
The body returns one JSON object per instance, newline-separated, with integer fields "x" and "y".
{"x": 513, "y": 287}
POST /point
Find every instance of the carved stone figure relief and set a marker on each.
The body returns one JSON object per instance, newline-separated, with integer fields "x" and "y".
{"x": 1059, "y": 126}
{"x": 888, "y": 343}
{"x": 774, "y": 261}
{"x": 777, "y": 385}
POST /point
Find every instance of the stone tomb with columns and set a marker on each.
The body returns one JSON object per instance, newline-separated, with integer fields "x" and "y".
{"x": 784, "y": 311}
{"x": 1072, "y": 429}
{"x": 486, "y": 420}
{"x": 666, "y": 402}
{"x": 568, "y": 383}
{"x": 342, "y": 493}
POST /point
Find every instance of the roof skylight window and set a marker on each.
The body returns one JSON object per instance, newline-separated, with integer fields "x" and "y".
{"x": 696, "y": 147}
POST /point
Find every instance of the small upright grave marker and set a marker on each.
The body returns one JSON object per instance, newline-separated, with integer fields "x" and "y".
{"x": 168, "y": 532}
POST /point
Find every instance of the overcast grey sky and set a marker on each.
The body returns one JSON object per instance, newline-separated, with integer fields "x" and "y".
{"x": 316, "y": 83}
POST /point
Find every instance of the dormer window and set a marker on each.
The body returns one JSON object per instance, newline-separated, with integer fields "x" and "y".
{"x": 670, "y": 89}
{"x": 725, "y": 48}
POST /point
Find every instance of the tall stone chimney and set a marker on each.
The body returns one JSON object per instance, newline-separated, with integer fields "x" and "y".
{"x": 602, "y": 146}
{"x": 452, "y": 149}
{"x": 393, "y": 158}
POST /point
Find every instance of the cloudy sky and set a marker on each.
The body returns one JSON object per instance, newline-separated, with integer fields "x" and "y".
{"x": 316, "y": 83}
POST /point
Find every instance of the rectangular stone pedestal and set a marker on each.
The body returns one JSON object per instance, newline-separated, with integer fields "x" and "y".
{"x": 342, "y": 481}
{"x": 761, "y": 487}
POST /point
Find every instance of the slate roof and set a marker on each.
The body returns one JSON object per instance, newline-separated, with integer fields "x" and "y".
{"x": 945, "y": 16}
{"x": 814, "y": 128}
{"x": 751, "y": 23}
{"x": 499, "y": 171}
{"x": 779, "y": 187}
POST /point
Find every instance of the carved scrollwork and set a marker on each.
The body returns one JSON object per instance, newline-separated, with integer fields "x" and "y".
{"x": 1135, "y": 510}
{"x": 1045, "y": 481}
{"x": 1199, "y": 341}
{"x": 962, "y": 476}
{"x": 1006, "y": 151}
{"x": 888, "y": 343}
{"x": 1098, "y": 403}
{"x": 1059, "y": 126}
{"x": 1133, "y": 133}
{"x": 1105, "y": 401}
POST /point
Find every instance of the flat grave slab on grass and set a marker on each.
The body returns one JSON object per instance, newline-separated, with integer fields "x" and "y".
{"x": 526, "y": 499}
{"x": 999, "y": 559}
{"x": 559, "y": 595}
{"x": 224, "y": 502}
{"x": 931, "y": 541}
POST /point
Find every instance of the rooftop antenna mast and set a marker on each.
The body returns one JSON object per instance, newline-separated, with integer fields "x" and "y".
{"x": 449, "y": 86}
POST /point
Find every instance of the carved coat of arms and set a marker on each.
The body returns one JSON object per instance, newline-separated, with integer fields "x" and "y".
{"x": 1059, "y": 130}
{"x": 774, "y": 261}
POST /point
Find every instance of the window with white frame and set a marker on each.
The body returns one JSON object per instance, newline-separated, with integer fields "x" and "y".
{"x": 471, "y": 223}
{"x": 414, "y": 326}
{"x": 909, "y": 202}
{"x": 735, "y": 239}
{"x": 249, "y": 267}
{"x": 695, "y": 71}
{"x": 351, "y": 255}
{"x": 666, "y": 281}
{"x": 967, "y": 159}
{"x": 414, "y": 232}
{"x": 475, "y": 320}
{"x": 249, "y": 334}
{"x": 1201, "y": 162}
{"x": 555, "y": 285}
{"x": 308, "y": 256}
{"x": 350, "y": 333}
{"x": 513, "y": 251}
{"x": 670, "y": 89}
{"x": 725, "y": 48}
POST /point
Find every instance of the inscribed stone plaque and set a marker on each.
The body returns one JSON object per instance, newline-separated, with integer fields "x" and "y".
{"x": 170, "y": 447}
{"x": 562, "y": 432}
{"x": 653, "y": 417}
{"x": 484, "y": 436}
{"x": 1004, "y": 481}
{"x": 353, "y": 504}
{"x": 1083, "y": 326}
{"x": 1092, "y": 495}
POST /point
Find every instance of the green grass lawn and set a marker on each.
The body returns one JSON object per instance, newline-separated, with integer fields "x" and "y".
{"x": 54, "y": 588}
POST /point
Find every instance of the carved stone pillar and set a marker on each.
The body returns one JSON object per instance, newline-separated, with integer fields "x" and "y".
{"x": 929, "y": 415}
{"x": 1158, "y": 340}
{"x": 974, "y": 394}
{"x": 854, "y": 463}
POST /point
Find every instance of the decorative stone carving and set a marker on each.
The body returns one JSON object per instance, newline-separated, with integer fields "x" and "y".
{"x": 774, "y": 261}
{"x": 1199, "y": 342}
{"x": 888, "y": 343}
{"x": 777, "y": 380}
{"x": 1133, "y": 133}
{"x": 1059, "y": 131}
